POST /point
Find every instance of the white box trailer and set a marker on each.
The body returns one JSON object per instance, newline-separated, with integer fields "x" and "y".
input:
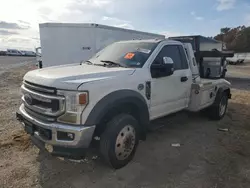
{"x": 66, "y": 43}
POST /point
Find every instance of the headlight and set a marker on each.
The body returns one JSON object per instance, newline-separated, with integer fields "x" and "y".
{"x": 75, "y": 103}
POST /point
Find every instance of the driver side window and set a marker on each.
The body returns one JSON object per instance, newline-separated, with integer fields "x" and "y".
{"x": 172, "y": 51}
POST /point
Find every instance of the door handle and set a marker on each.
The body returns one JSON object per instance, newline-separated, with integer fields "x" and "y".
{"x": 184, "y": 79}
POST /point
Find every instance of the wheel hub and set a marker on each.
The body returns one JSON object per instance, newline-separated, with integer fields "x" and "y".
{"x": 125, "y": 142}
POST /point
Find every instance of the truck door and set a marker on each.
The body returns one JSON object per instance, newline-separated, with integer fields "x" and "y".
{"x": 171, "y": 93}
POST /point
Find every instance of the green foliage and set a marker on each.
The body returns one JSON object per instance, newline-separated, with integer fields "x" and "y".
{"x": 236, "y": 39}
{"x": 225, "y": 30}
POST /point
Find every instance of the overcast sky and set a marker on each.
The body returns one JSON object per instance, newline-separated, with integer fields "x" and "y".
{"x": 19, "y": 19}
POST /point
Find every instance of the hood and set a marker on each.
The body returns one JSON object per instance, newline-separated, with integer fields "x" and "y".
{"x": 71, "y": 76}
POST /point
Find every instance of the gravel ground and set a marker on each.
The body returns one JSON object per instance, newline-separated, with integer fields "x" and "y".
{"x": 240, "y": 71}
{"x": 206, "y": 157}
{"x": 10, "y": 62}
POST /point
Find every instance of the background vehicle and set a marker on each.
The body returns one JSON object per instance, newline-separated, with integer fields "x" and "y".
{"x": 63, "y": 43}
{"x": 110, "y": 99}
{"x": 3, "y": 53}
{"x": 28, "y": 53}
{"x": 13, "y": 52}
{"x": 238, "y": 58}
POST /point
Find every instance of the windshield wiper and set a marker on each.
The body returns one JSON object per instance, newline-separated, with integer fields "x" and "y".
{"x": 87, "y": 62}
{"x": 112, "y": 63}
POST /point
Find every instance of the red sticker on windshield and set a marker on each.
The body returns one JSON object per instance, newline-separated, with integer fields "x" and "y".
{"x": 129, "y": 55}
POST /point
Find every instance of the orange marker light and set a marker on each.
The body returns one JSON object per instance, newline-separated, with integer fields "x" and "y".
{"x": 83, "y": 98}
{"x": 129, "y": 55}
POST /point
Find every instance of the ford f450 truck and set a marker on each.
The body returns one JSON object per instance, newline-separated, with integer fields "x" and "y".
{"x": 111, "y": 98}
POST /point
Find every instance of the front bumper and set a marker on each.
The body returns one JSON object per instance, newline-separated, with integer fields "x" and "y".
{"x": 82, "y": 134}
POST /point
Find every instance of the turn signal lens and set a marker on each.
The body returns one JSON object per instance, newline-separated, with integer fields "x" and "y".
{"x": 83, "y": 99}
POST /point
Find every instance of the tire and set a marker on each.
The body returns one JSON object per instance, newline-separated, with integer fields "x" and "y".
{"x": 121, "y": 134}
{"x": 218, "y": 110}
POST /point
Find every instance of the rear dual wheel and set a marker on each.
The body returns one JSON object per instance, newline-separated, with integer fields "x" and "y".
{"x": 218, "y": 110}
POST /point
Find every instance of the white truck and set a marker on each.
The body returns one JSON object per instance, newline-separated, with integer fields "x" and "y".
{"x": 109, "y": 100}
{"x": 66, "y": 43}
{"x": 238, "y": 58}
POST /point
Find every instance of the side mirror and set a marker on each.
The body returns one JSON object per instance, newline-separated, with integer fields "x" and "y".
{"x": 168, "y": 60}
{"x": 166, "y": 68}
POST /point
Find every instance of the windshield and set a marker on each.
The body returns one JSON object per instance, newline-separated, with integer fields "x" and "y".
{"x": 127, "y": 54}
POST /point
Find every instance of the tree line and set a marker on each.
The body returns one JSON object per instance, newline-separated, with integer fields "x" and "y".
{"x": 236, "y": 39}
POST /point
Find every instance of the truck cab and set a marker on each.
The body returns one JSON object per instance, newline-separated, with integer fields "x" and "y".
{"x": 39, "y": 57}
{"x": 111, "y": 98}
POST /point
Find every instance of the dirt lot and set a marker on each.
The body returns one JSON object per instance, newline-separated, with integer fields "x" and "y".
{"x": 207, "y": 158}
{"x": 7, "y": 63}
{"x": 242, "y": 71}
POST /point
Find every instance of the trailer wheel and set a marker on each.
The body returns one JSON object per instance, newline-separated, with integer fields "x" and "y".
{"x": 218, "y": 110}
{"x": 119, "y": 141}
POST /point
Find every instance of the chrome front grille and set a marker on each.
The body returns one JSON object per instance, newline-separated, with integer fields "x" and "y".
{"x": 42, "y": 102}
{"x": 38, "y": 88}
{"x": 39, "y": 116}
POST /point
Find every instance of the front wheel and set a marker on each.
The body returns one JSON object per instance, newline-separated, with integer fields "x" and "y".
{"x": 119, "y": 141}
